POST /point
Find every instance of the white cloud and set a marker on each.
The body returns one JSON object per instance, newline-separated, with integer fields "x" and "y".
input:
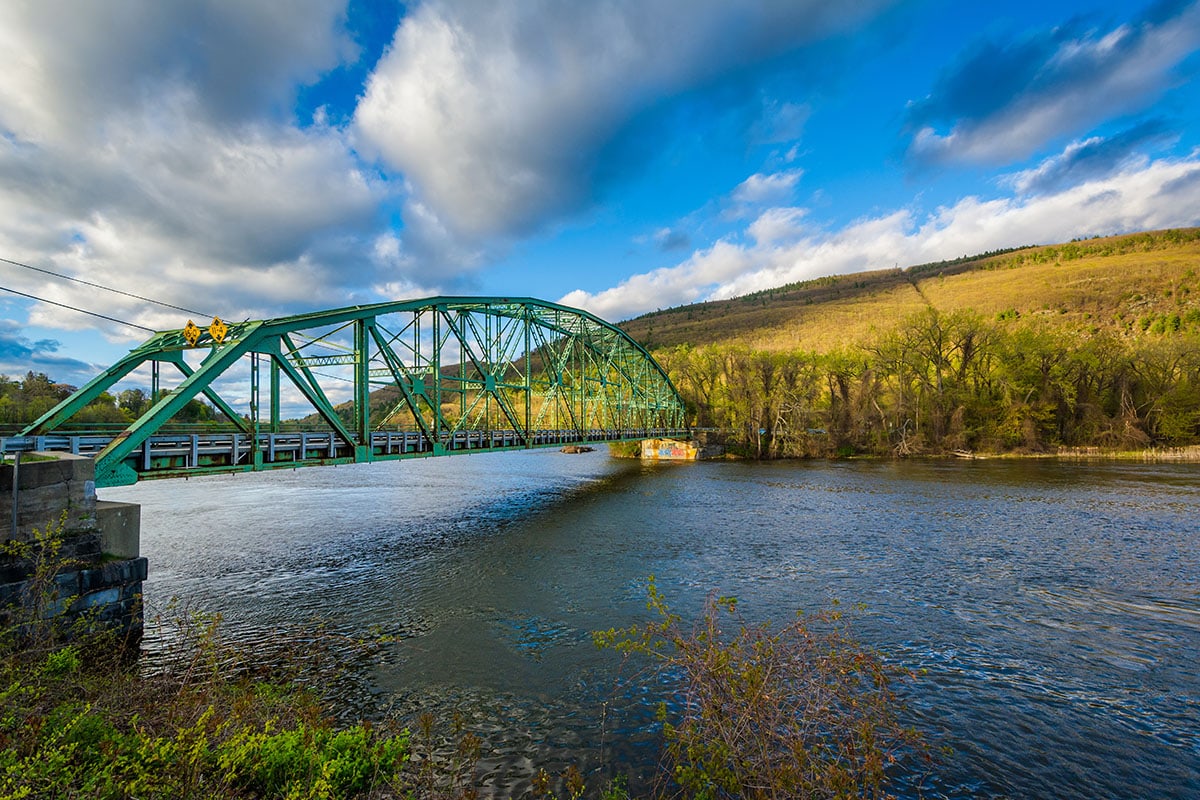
{"x": 1160, "y": 194}
{"x": 1095, "y": 157}
{"x": 761, "y": 189}
{"x": 1068, "y": 86}
{"x": 777, "y": 225}
{"x": 68, "y": 65}
{"x": 497, "y": 111}
{"x": 689, "y": 282}
{"x": 244, "y": 221}
{"x": 149, "y": 146}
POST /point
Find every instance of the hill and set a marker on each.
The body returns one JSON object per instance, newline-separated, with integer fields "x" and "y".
{"x": 1126, "y": 285}
{"x": 1086, "y": 344}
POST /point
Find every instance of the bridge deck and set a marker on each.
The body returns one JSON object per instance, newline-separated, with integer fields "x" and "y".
{"x": 180, "y": 455}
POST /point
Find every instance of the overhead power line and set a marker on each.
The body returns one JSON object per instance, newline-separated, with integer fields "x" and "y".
{"x": 80, "y": 310}
{"x": 105, "y": 288}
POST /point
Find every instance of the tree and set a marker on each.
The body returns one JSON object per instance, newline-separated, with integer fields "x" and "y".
{"x": 38, "y": 385}
{"x": 133, "y": 402}
{"x": 1166, "y": 391}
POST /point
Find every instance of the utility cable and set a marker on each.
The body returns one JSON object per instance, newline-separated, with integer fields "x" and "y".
{"x": 80, "y": 310}
{"x": 130, "y": 324}
{"x": 191, "y": 311}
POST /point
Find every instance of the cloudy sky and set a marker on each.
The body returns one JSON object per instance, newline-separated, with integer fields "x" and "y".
{"x": 257, "y": 158}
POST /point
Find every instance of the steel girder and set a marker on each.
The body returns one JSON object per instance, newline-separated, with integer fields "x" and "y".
{"x": 518, "y": 371}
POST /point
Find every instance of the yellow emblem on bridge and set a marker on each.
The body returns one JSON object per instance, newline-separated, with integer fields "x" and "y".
{"x": 191, "y": 333}
{"x": 218, "y": 330}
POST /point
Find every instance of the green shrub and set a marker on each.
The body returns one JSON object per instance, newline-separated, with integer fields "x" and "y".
{"x": 798, "y": 711}
{"x": 625, "y": 449}
{"x": 78, "y": 721}
{"x": 310, "y": 761}
{"x": 59, "y": 663}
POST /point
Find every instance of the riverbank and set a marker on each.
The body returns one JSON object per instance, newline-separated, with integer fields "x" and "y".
{"x": 1150, "y": 455}
{"x": 1153, "y": 455}
{"x": 1160, "y": 455}
{"x": 794, "y": 708}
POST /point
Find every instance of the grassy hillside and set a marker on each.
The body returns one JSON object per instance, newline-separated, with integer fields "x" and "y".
{"x": 1086, "y": 344}
{"x": 1129, "y": 285}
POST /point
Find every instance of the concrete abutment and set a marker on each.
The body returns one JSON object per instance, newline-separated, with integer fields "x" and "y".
{"x": 98, "y": 570}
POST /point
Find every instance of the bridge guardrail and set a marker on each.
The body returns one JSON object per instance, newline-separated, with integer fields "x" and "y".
{"x": 181, "y": 454}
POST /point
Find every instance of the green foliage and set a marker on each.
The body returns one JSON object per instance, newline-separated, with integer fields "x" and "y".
{"x": 78, "y": 721}
{"x": 61, "y": 662}
{"x": 26, "y": 400}
{"x": 310, "y": 762}
{"x": 802, "y": 710}
{"x": 625, "y": 449}
{"x": 133, "y": 402}
{"x": 939, "y": 382}
{"x": 75, "y": 729}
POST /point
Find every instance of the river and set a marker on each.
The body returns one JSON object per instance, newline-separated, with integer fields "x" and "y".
{"x": 1055, "y": 606}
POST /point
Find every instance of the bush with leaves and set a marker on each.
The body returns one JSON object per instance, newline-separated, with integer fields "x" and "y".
{"x": 803, "y": 710}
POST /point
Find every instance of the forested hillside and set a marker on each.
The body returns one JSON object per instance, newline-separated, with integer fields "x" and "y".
{"x": 1092, "y": 343}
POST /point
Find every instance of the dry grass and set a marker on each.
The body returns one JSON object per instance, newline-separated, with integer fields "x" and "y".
{"x": 1097, "y": 285}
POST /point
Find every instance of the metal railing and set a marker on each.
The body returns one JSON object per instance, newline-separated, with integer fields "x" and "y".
{"x": 170, "y": 455}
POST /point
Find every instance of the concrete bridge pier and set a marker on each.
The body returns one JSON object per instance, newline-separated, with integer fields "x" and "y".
{"x": 666, "y": 449}
{"x": 98, "y": 570}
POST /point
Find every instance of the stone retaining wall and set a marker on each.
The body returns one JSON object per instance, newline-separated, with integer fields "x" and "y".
{"x": 97, "y": 572}
{"x": 83, "y": 583}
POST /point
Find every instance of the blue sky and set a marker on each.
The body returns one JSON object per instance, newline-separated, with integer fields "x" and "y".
{"x": 259, "y": 158}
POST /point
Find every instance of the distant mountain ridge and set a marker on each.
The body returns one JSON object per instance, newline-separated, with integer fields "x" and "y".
{"x": 1130, "y": 285}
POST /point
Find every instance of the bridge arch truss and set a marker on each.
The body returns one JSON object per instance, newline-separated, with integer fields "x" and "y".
{"x": 436, "y": 376}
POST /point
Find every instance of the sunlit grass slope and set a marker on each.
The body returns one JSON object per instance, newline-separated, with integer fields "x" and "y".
{"x": 1130, "y": 285}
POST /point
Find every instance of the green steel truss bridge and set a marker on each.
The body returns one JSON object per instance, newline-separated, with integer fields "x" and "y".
{"x": 439, "y": 376}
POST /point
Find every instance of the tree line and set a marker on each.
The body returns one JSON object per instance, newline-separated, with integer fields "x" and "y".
{"x": 941, "y": 382}
{"x": 24, "y": 400}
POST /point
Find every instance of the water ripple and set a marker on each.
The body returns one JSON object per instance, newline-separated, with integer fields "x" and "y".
{"x": 1055, "y": 607}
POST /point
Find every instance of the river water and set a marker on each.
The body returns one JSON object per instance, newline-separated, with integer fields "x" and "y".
{"x": 1055, "y": 606}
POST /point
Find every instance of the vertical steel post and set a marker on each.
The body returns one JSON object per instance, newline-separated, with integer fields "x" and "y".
{"x": 255, "y": 387}
{"x": 274, "y": 396}
{"x": 416, "y": 350}
{"x": 16, "y": 481}
{"x": 436, "y": 374}
{"x": 462, "y": 366}
{"x": 488, "y": 361}
{"x": 581, "y": 377}
{"x": 153, "y": 381}
{"x": 528, "y": 377}
{"x": 362, "y": 381}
